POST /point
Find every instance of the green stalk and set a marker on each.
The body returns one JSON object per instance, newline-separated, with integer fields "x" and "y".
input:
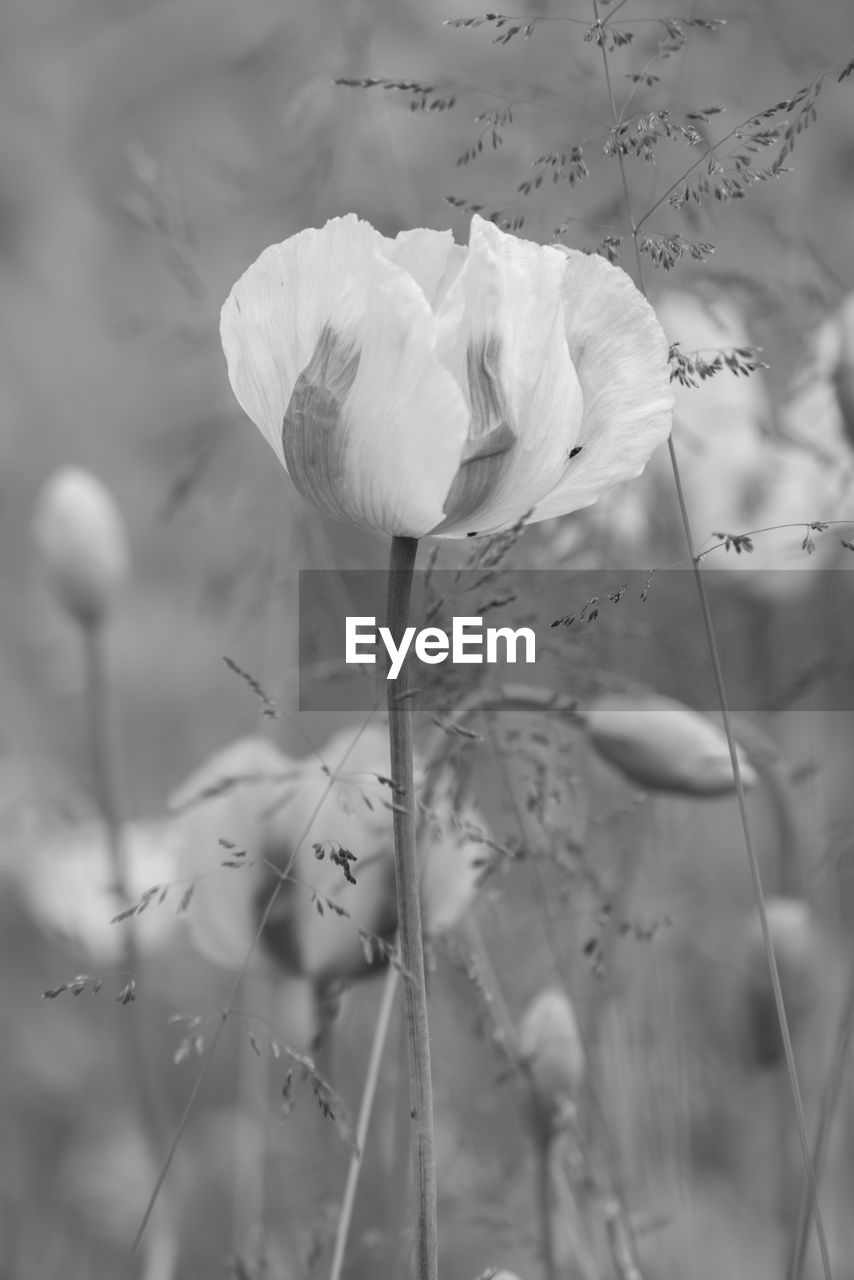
{"x": 104, "y": 755}
{"x": 544, "y": 1143}
{"x": 366, "y": 1106}
{"x": 720, "y": 686}
{"x": 401, "y": 566}
{"x": 829, "y": 1100}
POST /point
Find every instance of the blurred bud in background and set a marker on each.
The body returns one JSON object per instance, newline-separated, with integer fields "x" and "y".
{"x": 550, "y": 1044}
{"x": 82, "y": 539}
{"x": 795, "y": 939}
{"x": 661, "y": 745}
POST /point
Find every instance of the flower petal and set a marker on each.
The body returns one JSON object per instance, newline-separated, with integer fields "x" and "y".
{"x": 503, "y": 335}
{"x": 621, "y": 355}
{"x": 431, "y": 258}
{"x": 331, "y": 350}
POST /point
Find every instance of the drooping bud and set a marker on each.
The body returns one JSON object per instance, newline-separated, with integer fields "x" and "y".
{"x": 796, "y": 948}
{"x": 82, "y": 539}
{"x": 843, "y": 373}
{"x": 550, "y": 1044}
{"x": 662, "y": 745}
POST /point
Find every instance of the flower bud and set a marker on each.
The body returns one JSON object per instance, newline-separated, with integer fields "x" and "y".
{"x": 796, "y": 947}
{"x": 661, "y": 745}
{"x": 82, "y": 539}
{"x": 550, "y": 1044}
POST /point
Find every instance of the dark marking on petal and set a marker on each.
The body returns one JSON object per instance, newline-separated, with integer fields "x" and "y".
{"x": 573, "y": 453}
{"x": 491, "y": 438}
{"x": 496, "y": 442}
{"x": 313, "y": 428}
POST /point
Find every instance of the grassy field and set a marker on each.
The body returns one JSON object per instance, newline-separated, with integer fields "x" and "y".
{"x": 148, "y": 152}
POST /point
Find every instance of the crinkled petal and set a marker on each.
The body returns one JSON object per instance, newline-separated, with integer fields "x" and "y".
{"x": 331, "y": 350}
{"x": 621, "y": 355}
{"x": 503, "y": 334}
{"x": 431, "y": 258}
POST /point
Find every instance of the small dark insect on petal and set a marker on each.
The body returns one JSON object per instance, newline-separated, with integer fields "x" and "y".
{"x": 573, "y": 453}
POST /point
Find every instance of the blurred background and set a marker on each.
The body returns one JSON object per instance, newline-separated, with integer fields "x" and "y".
{"x": 148, "y": 152}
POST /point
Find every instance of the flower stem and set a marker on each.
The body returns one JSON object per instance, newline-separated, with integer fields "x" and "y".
{"x": 104, "y": 757}
{"x": 132, "y": 1045}
{"x": 401, "y": 565}
{"x": 366, "y": 1107}
{"x": 544, "y": 1143}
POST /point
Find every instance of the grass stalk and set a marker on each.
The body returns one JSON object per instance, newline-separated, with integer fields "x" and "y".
{"x": 720, "y": 687}
{"x": 592, "y": 1098}
{"x": 253, "y": 1084}
{"x": 829, "y": 1101}
{"x": 366, "y": 1106}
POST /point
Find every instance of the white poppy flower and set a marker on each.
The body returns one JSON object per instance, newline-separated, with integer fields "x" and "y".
{"x": 742, "y": 467}
{"x": 415, "y": 386}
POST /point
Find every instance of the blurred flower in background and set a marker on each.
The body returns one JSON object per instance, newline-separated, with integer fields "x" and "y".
{"x": 66, "y": 879}
{"x": 416, "y": 386}
{"x": 104, "y": 1180}
{"x": 742, "y": 466}
{"x": 326, "y": 822}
